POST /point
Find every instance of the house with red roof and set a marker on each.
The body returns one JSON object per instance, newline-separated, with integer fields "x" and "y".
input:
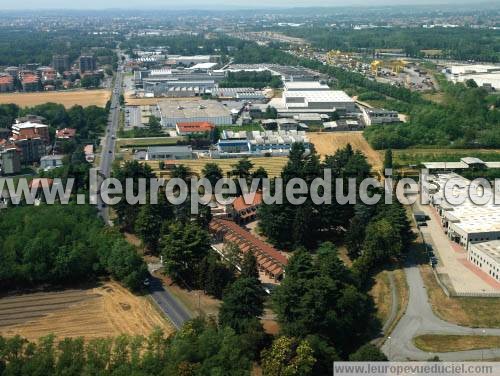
{"x": 244, "y": 207}
{"x": 66, "y": 133}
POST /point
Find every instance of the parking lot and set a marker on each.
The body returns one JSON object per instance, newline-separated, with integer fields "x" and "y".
{"x": 460, "y": 275}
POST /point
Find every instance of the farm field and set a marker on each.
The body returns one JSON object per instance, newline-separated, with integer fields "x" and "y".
{"x": 106, "y": 310}
{"x": 83, "y": 98}
{"x": 326, "y": 143}
{"x": 273, "y": 165}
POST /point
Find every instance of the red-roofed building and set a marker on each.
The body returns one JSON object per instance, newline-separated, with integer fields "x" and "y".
{"x": 66, "y": 133}
{"x": 28, "y": 129}
{"x": 269, "y": 260}
{"x": 6, "y": 83}
{"x": 40, "y": 183}
{"x": 30, "y": 82}
{"x": 244, "y": 208}
{"x": 194, "y": 127}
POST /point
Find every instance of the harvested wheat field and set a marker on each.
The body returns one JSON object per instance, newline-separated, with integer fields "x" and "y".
{"x": 273, "y": 165}
{"x": 83, "y": 98}
{"x": 106, "y": 310}
{"x": 326, "y": 143}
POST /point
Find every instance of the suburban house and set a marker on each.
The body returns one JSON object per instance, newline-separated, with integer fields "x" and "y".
{"x": 241, "y": 212}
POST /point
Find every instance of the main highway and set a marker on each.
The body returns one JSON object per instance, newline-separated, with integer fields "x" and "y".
{"x": 108, "y": 141}
{"x": 168, "y": 304}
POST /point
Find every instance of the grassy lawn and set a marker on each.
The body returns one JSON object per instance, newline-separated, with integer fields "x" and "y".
{"x": 381, "y": 293}
{"x": 474, "y": 312}
{"x": 147, "y": 141}
{"x": 449, "y": 343}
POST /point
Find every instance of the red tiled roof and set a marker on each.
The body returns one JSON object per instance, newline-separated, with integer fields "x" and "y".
{"x": 246, "y": 237}
{"x": 195, "y": 126}
{"x": 66, "y": 133}
{"x": 30, "y": 79}
{"x": 6, "y": 80}
{"x": 239, "y": 203}
{"x": 41, "y": 182}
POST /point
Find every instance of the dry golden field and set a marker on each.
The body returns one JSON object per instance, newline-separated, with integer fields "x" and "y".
{"x": 107, "y": 310}
{"x": 326, "y": 143}
{"x": 67, "y": 98}
{"x": 273, "y": 165}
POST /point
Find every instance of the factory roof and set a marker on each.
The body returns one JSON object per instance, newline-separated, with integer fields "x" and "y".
{"x": 195, "y": 108}
{"x": 319, "y": 96}
{"x": 203, "y": 66}
{"x": 308, "y": 85}
{"x": 491, "y": 249}
{"x": 467, "y": 216}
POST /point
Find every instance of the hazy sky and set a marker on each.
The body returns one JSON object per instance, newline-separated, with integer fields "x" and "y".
{"x": 207, "y": 4}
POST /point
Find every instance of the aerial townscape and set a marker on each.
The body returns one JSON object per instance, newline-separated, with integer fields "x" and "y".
{"x": 390, "y": 109}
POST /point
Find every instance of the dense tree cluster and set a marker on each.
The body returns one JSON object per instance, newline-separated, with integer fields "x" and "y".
{"x": 378, "y": 235}
{"x": 465, "y": 119}
{"x": 61, "y": 244}
{"x": 25, "y": 45}
{"x": 199, "y": 348}
{"x": 321, "y": 302}
{"x": 310, "y": 222}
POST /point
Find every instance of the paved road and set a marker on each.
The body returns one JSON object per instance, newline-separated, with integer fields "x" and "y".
{"x": 108, "y": 142}
{"x": 420, "y": 319}
{"x": 167, "y": 303}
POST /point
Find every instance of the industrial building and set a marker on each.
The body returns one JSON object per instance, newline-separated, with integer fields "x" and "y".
{"x": 306, "y": 97}
{"x": 468, "y": 222}
{"x": 155, "y": 153}
{"x": 373, "y": 116}
{"x": 239, "y": 93}
{"x": 194, "y": 127}
{"x": 464, "y": 164}
{"x": 181, "y": 111}
{"x": 486, "y": 256}
{"x": 286, "y": 72}
{"x": 483, "y": 75}
{"x": 258, "y": 144}
{"x": 178, "y": 82}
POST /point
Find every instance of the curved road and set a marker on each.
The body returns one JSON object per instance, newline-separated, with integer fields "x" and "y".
{"x": 420, "y": 319}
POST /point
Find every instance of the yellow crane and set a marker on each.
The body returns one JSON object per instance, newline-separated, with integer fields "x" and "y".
{"x": 398, "y": 65}
{"x": 375, "y": 66}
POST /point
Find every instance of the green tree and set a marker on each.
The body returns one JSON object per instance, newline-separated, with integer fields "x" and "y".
{"x": 212, "y": 172}
{"x": 242, "y": 302}
{"x": 288, "y": 357}
{"x": 388, "y": 159}
{"x": 183, "y": 249}
{"x": 368, "y": 353}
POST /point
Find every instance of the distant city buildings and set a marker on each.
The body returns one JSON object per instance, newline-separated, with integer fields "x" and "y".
{"x": 60, "y": 63}
{"x": 87, "y": 63}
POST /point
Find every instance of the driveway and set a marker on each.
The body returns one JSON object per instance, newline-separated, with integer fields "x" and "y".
{"x": 420, "y": 319}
